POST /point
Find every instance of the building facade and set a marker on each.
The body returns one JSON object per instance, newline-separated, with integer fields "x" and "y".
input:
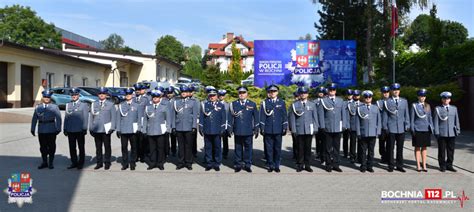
{"x": 221, "y": 53}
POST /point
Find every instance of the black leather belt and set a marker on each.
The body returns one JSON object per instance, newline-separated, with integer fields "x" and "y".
{"x": 43, "y": 122}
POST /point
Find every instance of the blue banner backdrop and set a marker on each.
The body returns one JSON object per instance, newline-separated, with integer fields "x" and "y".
{"x": 308, "y": 62}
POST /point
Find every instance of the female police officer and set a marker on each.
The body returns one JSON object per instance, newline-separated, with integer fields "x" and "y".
{"x": 421, "y": 128}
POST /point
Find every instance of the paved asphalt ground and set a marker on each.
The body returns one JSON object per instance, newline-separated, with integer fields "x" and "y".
{"x": 197, "y": 190}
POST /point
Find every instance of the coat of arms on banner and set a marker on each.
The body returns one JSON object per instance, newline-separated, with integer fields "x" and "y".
{"x": 20, "y": 189}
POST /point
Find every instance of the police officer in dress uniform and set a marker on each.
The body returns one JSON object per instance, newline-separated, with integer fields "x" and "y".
{"x": 385, "y": 90}
{"x": 421, "y": 123}
{"x": 129, "y": 117}
{"x": 273, "y": 125}
{"x": 320, "y": 145}
{"x": 101, "y": 125}
{"x": 351, "y": 125}
{"x": 142, "y": 99}
{"x": 346, "y": 133}
{"x": 157, "y": 123}
{"x": 75, "y": 128}
{"x": 225, "y": 138}
{"x": 212, "y": 123}
{"x": 304, "y": 124}
{"x": 293, "y": 135}
{"x": 396, "y": 122}
{"x": 184, "y": 118}
{"x": 368, "y": 127}
{"x": 170, "y": 140}
{"x": 243, "y": 124}
{"x": 333, "y": 119}
{"x": 48, "y": 119}
{"x": 446, "y": 129}
{"x": 192, "y": 90}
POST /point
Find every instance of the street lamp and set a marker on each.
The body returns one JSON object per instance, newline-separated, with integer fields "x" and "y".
{"x": 343, "y": 29}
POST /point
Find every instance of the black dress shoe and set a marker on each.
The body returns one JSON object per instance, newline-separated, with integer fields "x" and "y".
{"x": 308, "y": 169}
{"x": 72, "y": 166}
{"x": 179, "y": 167}
{"x": 79, "y": 167}
{"x": 362, "y": 170}
{"x": 107, "y": 167}
{"x": 43, "y": 165}
{"x": 442, "y": 170}
{"x": 401, "y": 169}
{"x": 208, "y": 168}
{"x": 189, "y": 167}
{"x": 352, "y": 161}
{"x": 371, "y": 170}
{"x": 161, "y": 167}
{"x": 328, "y": 169}
{"x": 237, "y": 169}
{"x": 124, "y": 167}
{"x": 277, "y": 170}
{"x": 390, "y": 170}
{"x": 50, "y": 166}
{"x": 132, "y": 167}
{"x": 248, "y": 169}
{"x": 98, "y": 166}
{"x": 270, "y": 169}
{"x": 451, "y": 169}
{"x": 150, "y": 167}
{"x": 337, "y": 169}
{"x": 217, "y": 168}
{"x": 425, "y": 170}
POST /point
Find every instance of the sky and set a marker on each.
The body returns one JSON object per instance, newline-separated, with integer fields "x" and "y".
{"x": 142, "y": 22}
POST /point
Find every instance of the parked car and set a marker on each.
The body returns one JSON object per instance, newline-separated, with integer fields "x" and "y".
{"x": 154, "y": 84}
{"x": 61, "y": 96}
{"x": 116, "y": 94}
{"x": 248, "y": 81}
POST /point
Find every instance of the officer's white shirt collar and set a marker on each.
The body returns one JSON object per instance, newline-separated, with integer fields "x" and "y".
{"x": 243, "y": 101}
{"x": 128, "y": 102}
{"x": 304, "y": 101}
{"x": 45, "y": 105}
{"x": 396, "y": 98}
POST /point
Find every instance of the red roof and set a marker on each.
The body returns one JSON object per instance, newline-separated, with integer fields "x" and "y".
{"x": 219, "y": 47}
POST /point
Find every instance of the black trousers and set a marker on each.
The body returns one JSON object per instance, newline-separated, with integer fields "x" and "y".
{"x": 346, "y": 134}
{"x": 194, "y": 143}
{"x": 382, "y": 145}
{"x": 294, "y": 145}
{"x": 225, "y": 145}
{"x": 185, "y": 147}
{"x": 353, "y": 144}
{"x": 446, "y": 148}
{"x": 125, "y": 139}
{"x": 367, "y": 152}
{"x": 398, "y": 139}
{"x": 143, "y": 148}
{"x": 173, "y": 145}
{"x": 102, "y": 139}
{"x": 333, "y": 145}
{"x": 304, "y": 150}
{"x": 157, "y": 150}
{"x": 47, "y": 143}
{"x": 320, "y": 145}
{"x": 76, "y": 139}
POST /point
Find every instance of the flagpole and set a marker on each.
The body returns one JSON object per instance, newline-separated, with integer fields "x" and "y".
{"x": 393, "y": 62}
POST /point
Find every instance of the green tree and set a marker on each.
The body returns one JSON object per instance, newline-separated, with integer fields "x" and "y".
{"x": 114, "y": 42}
{"x": 169, "y": 47}
{"x": 192, "y": 64}
{"x": 454, "y": 33}
{"x": 306, "y": 37}
{"x": 235, "y": 69}
{"x": 127, "y": 49}
{"x": 21, "y": 25}
{"x": 212, "y": 76}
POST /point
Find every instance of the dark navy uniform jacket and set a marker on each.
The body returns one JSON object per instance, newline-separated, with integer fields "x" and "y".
{"x": 212, "y": 120}
{"x": 243, "y": 117}
{"x": 273, "y": 116}
{"x": 48, "y": 118}
{"x": 77, "y": 117}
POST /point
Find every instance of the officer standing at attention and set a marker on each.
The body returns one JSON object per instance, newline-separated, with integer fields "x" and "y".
{"x": 184, "y": 118}
{"x": 347, "y": 132}
{"x": 75, "y": 128}
{"x": 170, "y": 143}
{"x": 293, "y": 136}
{"x": 192, "y": 90}
{"x": 421, "y": 124}
{"x": 320, "y": 145}
{"x": 368, "y": 127}
{"x": 243, "y": 123}
{"x": 157, "y": 123}
{"x": 142, "y": 99}
{"x": 129, "y": 116}
{"x": 396, "y": 122}
{"x": 355, "y": 147}
{"x": 385, "y": 90}
{"x": 101, "y": 125}
{"x": 303, "y": 122}
{"x": 446, "y": 129}
{"x": 333, "y": 119}
{"x": 212, "y": 123}
{"x": 273, "y": 125}
{"x": 48, "y": 118}
{"x": 225, "y": 138}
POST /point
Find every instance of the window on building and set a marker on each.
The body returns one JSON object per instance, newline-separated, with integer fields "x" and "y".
{"x": 50, "y": 80}
{"x": 158, "y": 72}
{"x": 85, "y": 81}
{"x": 98, "y": 83}
{"x": 67, "y": 80}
